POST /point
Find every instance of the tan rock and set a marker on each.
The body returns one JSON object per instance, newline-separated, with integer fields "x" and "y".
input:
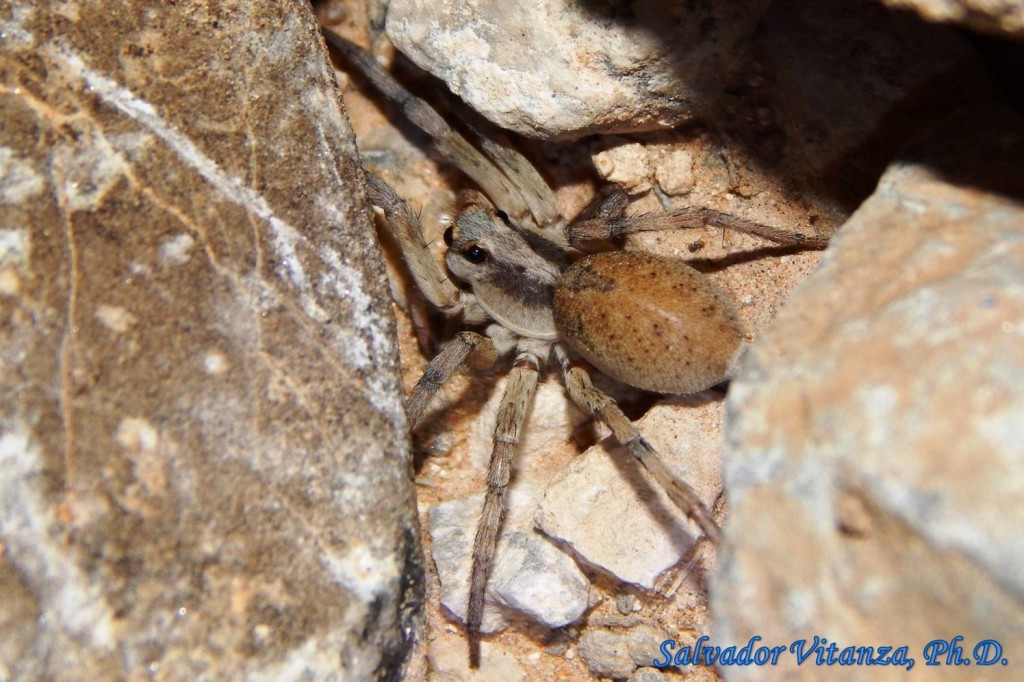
{"x": 874, "y": 469}
{"x": 613, "y": 518}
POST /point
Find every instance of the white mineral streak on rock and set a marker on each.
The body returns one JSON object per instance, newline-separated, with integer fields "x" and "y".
{"x": 292, "y": 247}
{"x": 70, "y": 600}
{"x": 19, "y": 181}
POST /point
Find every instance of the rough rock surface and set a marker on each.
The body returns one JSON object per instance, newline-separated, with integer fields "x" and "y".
{"x": 1001, "y": 17}
{"x": 875, "y": 465}
{"x": 648, "y": 675}
{"x": 449, "y": 663}
{"x": 604, "y": 509}
{"x": 800, "y": 136}
{"x": 530, "y": 575}
{"x": 199, "y": 409}
{"x": 637, "y": 168}
{"x": 573, "y": 67}
{"x": 616, "y": 651}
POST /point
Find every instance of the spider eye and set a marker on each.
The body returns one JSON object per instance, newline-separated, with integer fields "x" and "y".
{"x": 502, "y": 216}
{"x": 449, "y": 235}
{"x": 474, "y": 254}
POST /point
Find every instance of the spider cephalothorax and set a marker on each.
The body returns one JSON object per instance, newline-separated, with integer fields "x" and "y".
{"x": 511, "y": 272}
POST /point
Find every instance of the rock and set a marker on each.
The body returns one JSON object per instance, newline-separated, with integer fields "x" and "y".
{"x": 449, "y": 662}
{"x": 549, "y": 425}
{"x": 639, "y": 167}
{"x": 200, "y": 415}
{"x": 843, "y": 86}
{"x": 613, "y": 518}
{"x": 589, "y": 67}
{"x": 999, "y": 18}
{"x": 874, "y": 451}
{"x": 648, "y": 675}
{"x": 801, "y": 135}
{"x": 617, "y": 652}
{"x": 628, "y": 165}
{"x": 530, "y": 575}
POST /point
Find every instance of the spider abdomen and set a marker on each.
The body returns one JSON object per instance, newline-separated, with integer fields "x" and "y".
{"x": 649, "y": 321}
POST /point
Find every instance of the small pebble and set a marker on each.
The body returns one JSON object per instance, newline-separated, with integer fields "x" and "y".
{"x": 647, "y": 675}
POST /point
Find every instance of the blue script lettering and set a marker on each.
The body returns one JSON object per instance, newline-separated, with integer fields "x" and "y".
{"x": 685, "y": 656}
{"x": 666, "y": 650}
{"x": 954, "y": 652}
{"x": 798, "y": 648}
{"x": 988, "y": 652}
{"x": 828, "y": 653}
{"x": 750, "y": 654}
{"x": 900, "y": 657}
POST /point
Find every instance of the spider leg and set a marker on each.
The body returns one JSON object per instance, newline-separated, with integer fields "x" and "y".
{"x": 464, "y": 348}
{"x": 505, "y": 179}
{"x": 522, "y": 383}
{"x": 534, "y": 189}
{"x": 600, "y": 405}
{"x": 609, "y": 204}
{"x": 579, "y": 232}
{"x": 405, "y": 226}
{"x": 419, "y": 316}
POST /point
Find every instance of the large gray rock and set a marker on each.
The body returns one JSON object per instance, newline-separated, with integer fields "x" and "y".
{"x": 572, "y": 67}
{"x": 1001, "y": 18}
{"x": 875, "y": 451}
{"x": 199, "y": 412}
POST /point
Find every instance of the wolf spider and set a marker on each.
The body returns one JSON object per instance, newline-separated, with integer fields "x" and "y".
{"x": 521, "y": 279}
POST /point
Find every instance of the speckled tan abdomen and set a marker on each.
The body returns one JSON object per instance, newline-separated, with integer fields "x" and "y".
{"x": 649, "y": 321}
